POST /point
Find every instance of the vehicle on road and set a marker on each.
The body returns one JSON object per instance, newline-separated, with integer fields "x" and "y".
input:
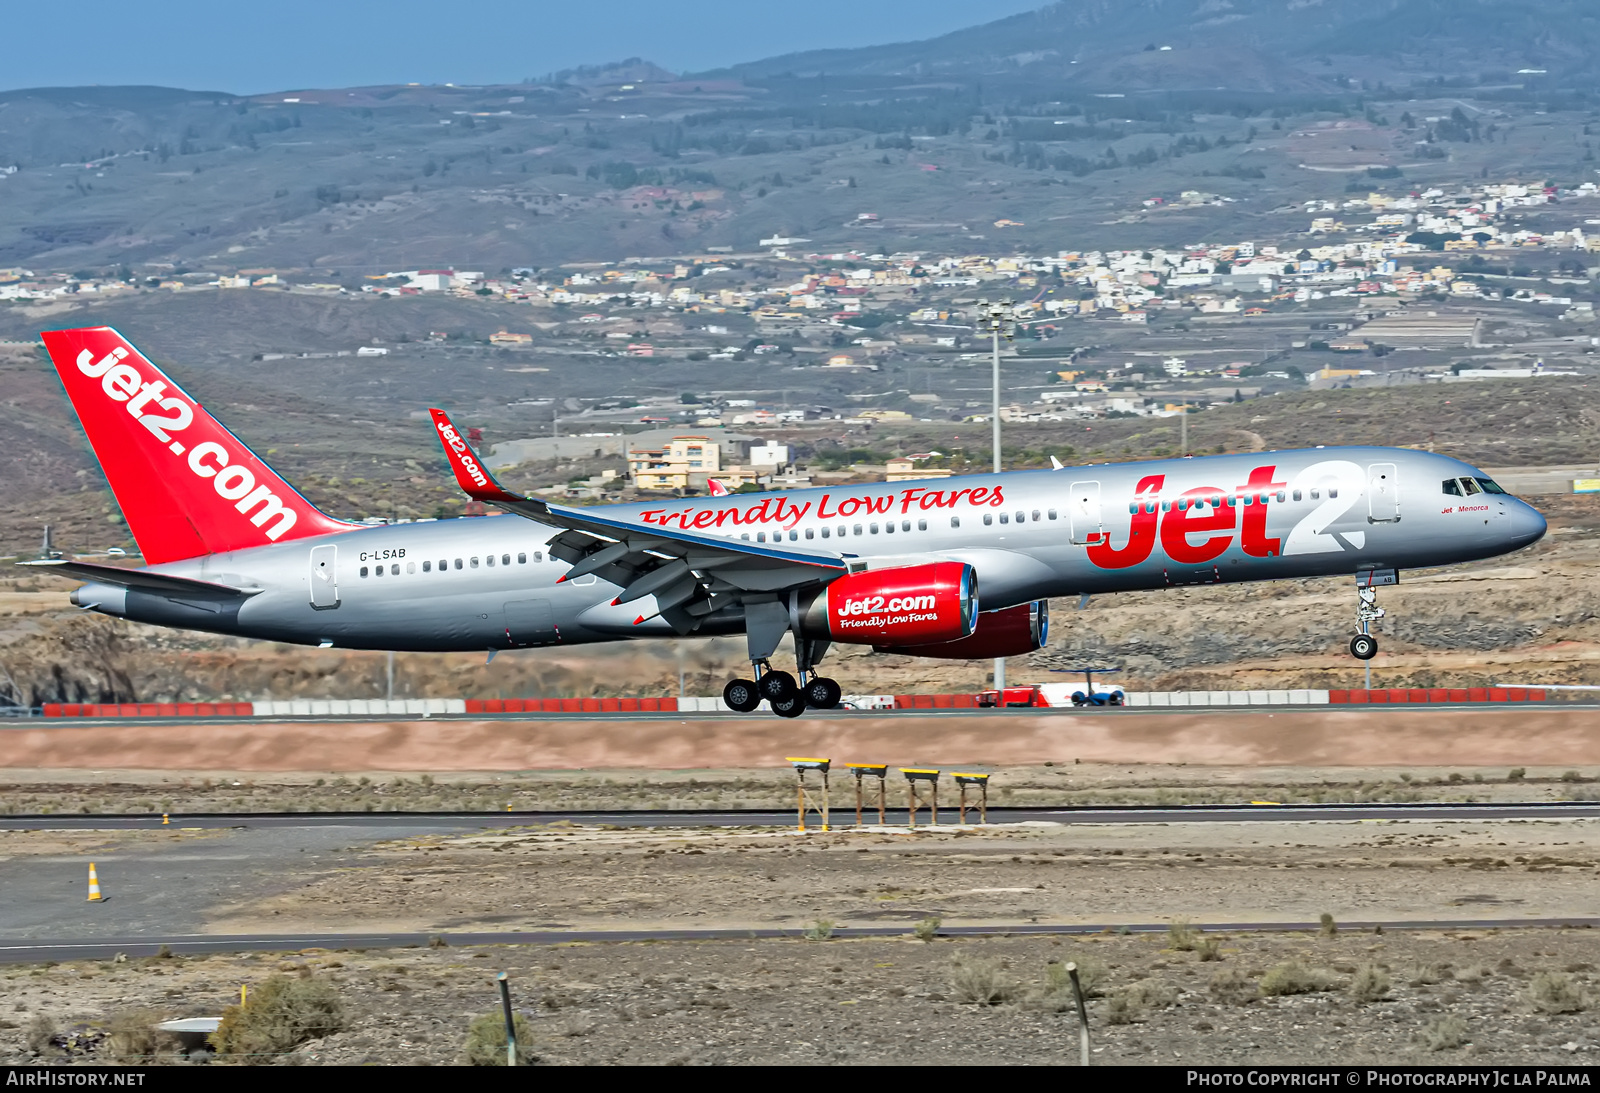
{"x": 232, "y": 548}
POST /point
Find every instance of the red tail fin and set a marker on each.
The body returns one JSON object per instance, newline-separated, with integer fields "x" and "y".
{"x": 186, "y": 484}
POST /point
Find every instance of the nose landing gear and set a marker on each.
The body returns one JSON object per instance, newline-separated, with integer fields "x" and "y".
{"x": 1364, "y": 646}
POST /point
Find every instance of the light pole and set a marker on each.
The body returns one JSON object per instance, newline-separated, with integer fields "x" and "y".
{"x": 999, "y": 320}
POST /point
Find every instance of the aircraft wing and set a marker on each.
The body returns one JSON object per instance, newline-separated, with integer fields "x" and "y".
{"x": 689, "y": 574}
{"x": 135, "y": 578}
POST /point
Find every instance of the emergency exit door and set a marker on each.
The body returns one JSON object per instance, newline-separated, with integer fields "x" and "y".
{"x": 1383, "y": 493}
{"x": 1083, "y": 512}
{"x": 325, "y": 577}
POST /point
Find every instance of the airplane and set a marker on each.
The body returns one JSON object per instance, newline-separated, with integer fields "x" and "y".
{"x": 232, "y": 548}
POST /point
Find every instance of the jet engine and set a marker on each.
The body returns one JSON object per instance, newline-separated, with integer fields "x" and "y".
{"x": 1010, "y": 632}
{"x": 907, "y": 605}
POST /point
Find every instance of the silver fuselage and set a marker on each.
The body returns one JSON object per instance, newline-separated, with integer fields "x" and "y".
{"x": 490, "y": 583}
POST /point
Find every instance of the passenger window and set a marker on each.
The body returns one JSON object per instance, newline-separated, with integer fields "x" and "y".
{"x": 1133, "y": 508}
{"x": 905, "y": 525}
{"x": 427, "y": 567}
{"x": 1452, "y": 488}
{"x": 394, "y": 570}
{"x": 761, "y": 536}
{"x": 922, "y": 525}
{"x": 1166, "y": 506}
{"x": 363, "y": 571}
{"x": 505, "y": 559}
{"x": 490, "y": 559}
{"x": 1281, "y": 496}
{"x": 458, "y": 563}
{"x": 1052, "y": 512}
{"x": 873, "y": 528}
{"x": 1005, "y": 518}
{"x": 1297, "y": 495}
{"x": 522, "y": 559}
{"x": 1470, "y": 487}
{"x": 988, "y": 518}
{"x": 794, "y": 536}
{"x": 538, "y": 555}
{"x": 858, "y": 528}
{"x": 955, "y": 521}
{"x": 825, "y": 533}
{"x": 888, "y": 527}
{"x": 1233, "y": 501}
{"x": 411, "y": 567}
{"x": 745, "y": 536}
{"x": 474, "y": 563}
{"x": 1333, "y": 491}
{"x": 811, "y": 533}
{"x": 1036, "y": 516}
{"x": 1315, "y": 493}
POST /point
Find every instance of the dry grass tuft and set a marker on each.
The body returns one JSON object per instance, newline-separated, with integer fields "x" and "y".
{"x": 1370, "y": 984}
{"x": 1181, "y": 936}
{"x": 1292, "y": 977}
{"x": 820, "y": 930}
{"x": 926, "y": 929}
{"x": 134, "y": 1037}
{"x": 1556, "y": 992}
{"x": 278, "y": 1016}
{"x": 1444, "y": 1033}
{"x": 1231, "y": 986}
{"x": 486, "y": 1040}
{"x": 42, "y": 1031}
{"x": 981, "y": 981}
{"x": 1208, "y": 949}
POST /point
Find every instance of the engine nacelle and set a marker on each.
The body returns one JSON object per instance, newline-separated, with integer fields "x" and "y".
{"x": 907, "y": 605}
{"x": 1007, "y": 633}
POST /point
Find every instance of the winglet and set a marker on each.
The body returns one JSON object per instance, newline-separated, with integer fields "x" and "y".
{"x": 1055, "y": 464}
{"x": 471, "y": 475}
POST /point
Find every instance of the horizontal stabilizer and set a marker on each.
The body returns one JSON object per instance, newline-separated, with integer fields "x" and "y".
{"x": 135, "y": 578}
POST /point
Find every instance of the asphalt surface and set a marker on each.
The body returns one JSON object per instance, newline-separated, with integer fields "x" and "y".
{"x": 422, "y": 822}
{"x": 32, "y": 952}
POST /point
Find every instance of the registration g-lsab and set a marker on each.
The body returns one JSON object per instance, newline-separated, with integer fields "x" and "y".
{"x": 955, "y": 568}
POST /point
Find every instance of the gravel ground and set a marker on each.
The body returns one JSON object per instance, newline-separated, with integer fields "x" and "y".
{"x": 1462, "y": 997}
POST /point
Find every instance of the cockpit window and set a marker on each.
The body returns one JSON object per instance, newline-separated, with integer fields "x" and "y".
{"x": 1470, "y": 486}
{"x": 1452, "y": 487}
{"x": 1488, "y": 486}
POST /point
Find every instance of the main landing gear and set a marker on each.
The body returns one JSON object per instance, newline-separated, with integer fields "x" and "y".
{"x": 766, "y": 621}
{"x": 781, "y": 691}
{"x": 1364, "y": 646}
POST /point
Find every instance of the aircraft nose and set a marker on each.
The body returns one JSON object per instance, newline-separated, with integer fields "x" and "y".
{"x": 1527, "y": 525}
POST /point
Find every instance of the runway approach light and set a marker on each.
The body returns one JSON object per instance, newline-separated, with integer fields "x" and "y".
{"x": 810, "y": 797}
{"x": 94, "y": 885}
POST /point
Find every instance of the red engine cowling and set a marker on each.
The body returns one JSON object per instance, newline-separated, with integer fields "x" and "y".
{"x": 908, "y": 605}
{"x": 1008, "y": 633}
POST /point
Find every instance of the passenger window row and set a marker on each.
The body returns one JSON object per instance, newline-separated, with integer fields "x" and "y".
{"x": 444, "y": 564}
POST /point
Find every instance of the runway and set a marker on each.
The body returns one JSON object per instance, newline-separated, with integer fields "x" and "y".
{"x": 34, "y": 952}
{"x": 843, "y": 817}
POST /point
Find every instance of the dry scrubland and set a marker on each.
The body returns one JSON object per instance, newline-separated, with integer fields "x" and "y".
{"x": 1484, "y": 997}
{"x": 47, "y": 792}
{"x": 1319, "y": 996}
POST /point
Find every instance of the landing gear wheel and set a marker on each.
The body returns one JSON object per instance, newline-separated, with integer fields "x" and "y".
{"x": 1115, "y": 699}
{"x": 741, "y": 695}
{"x": 777, "y": 686}
{"x": 1363, "y": 646}
{"x": 793, "y": 706}
{"x": 821, "y": 693}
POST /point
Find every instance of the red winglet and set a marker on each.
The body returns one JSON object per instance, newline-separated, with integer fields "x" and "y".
{"x": 471, "y": 475}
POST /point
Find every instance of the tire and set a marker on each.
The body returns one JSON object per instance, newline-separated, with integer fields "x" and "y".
{"x": 741, "y": 695}
{"x": 777, "y": 686}
{"x": 822, "y": 693}
{"x": 793, "y": 706}
{"x": 1078, "y": 698}
{"x": 1115, "y": 699}
{"x": 1363, "y": 646}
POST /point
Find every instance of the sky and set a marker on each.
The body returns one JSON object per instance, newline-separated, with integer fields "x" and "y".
{"x": 290, "y": 44}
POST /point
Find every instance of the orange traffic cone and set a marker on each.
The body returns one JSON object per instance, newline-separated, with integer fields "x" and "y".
{"x": 94, "y": 885}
